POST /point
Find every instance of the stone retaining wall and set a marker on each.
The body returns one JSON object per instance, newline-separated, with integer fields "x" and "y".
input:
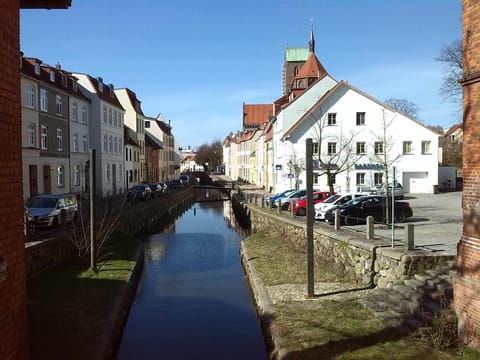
{"x": 371, "y": 262}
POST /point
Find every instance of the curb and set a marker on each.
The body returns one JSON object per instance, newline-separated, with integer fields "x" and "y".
{"x": 264, "y": 305}
{"x": 121, "y": 307}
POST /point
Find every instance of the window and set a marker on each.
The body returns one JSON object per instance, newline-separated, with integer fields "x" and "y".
{"x": 378, "y": 147}
{"x": 110, "y": 116}
{"x": 76, "y": 174}
{"x": 84, "y": 114}
{"x": 378, "y": 178}
{"x": 115, "y": 145}
{"x": 31, "y": 134}
{"x": 52, "y": 76}
{"x": 43, "y": 137}
{"x": 126, "y": 155}
{"x": 360, "y": 118}
{"x": 360, "y": 178}
{"x": 105, "y": 143}
{"x": 407, "y": 147}
{"x": 74, "y": 111}
{"x": 37, "y": 69}
{"x": 115, "y": 118}
{"x": 75, "y": 142}
{"x": 43, "y": 100}
{"x": 60, "y": 176}
{"x": 332, "y": 119}
{"x": 59, "y": 139}
{"x": 315, "y": 148}
{"x": 107, "y": 173}
{"x": 29, "y": 96}
{"x": 426, "y": 147}
{"x": 110, "y": 144}
{"x": 104, "y": 114}
{"x": 85, "y": 143}
{"x": 332, "y": 148}
{"x": 59, "y": 105}
{"x": 360, "y": 147}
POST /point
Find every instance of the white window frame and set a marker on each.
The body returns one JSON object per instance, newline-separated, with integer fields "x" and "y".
{"x": 105, "y": 143}
{"x": 332, "y": 119}
{"x": 360, "y": 118}
{"x": 378, "y": 178}
{"x": 84, "y": 114}
{"x": 379, "y": 148}
{"x": 360, "y": 178}
{"x": 84, "y": 143}
{"x": 60, "y": 175}
{"x": 361, "y": 147}
{"x": 426, "y": 147}
{"x": 44, "y": 137}
{"x": 110, "y": 144}
{"x": 331, "y": 148}
{"x": 76, "y": 174}
{"x": 58, "y": 105}
{"x": 59, "y": 139}
{"x": 43, "y": 100}
{"x": 75, "y": 142}
{"x": 407, "y": 148}
{"x": 74, "y": 111}
{"x": 104, "y": 114}
{"x": 30, "y": 96}
{"x": 31, "y": 134}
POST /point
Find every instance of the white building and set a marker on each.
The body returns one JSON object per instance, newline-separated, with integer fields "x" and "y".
{"x": 135, "y": 120}
{"x": 106, "y": 134}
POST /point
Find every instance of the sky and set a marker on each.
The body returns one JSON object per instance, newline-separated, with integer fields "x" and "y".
{"x": 197, "y": 61}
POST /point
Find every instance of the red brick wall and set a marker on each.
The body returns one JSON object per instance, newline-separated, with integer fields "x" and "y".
{"x": 467, "y": 283}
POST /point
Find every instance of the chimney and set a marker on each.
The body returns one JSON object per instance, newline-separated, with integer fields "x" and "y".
{"x": 58, "y": 66}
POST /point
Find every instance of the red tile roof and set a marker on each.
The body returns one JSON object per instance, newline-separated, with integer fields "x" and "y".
{"x": 255, "y": 115}
{"x": 312, "y": 68}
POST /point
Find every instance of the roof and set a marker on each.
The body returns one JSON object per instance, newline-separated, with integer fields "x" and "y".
{"x": 132, "y": 97}
{"x": 312, "y": 68}
{"x": 256, "y": 114}
{"x": 329, "y": 93}
{"x": 296, "y": 53}
{"x": 153, "y": 141}
{"x": 45, "y": 4}
{"x": 130, "y": 136}
{"x": 453, "y": 128}
{"x": 63, "y": 80}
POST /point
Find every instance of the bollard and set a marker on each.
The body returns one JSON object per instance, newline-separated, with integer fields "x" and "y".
{"x": 279, "y": 210}
{"x": 263, "y": 202}
{"x": 370, "y": 232}
{"x": 256, "y": 200}
{"x": 337, "y": 219}
{"x": 292, "y": 209}
{"x": 410, "y": 237}
{"x": 270, "y": 202}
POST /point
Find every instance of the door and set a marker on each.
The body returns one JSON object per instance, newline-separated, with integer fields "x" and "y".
{"x": 33, "y": 180}
{"x": 47, "y": 182}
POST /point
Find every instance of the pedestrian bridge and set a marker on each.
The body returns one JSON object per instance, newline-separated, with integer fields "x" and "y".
{"x": 204, "y": 193}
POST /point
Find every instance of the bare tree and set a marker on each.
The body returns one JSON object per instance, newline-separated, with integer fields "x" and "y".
{"x": 404, "y": 106}
{"x": 335, "y": 153}
{"x": 451, "y": 57}
{"x": 383, "y": 151}
{"x": 296, "y": 165}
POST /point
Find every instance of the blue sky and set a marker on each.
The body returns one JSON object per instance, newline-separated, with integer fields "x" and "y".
{"x": 197, "y": 61}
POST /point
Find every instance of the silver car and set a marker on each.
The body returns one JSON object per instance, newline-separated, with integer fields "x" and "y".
{"x": 50, "y": 210}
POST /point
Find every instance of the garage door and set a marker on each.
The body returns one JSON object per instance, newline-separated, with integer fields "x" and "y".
{"x": 414, "y": 182}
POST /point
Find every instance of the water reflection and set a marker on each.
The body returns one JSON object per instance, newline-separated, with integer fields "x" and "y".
{"x": 192, "y": 301}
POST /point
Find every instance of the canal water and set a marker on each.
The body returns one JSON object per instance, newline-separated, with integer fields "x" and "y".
{"x": 192, "y": 300}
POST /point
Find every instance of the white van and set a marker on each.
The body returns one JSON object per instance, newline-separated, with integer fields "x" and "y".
{"x": 334, "y": 201}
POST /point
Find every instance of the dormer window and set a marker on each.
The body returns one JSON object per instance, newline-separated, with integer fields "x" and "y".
{"x": 37, "y": 69}
{"x": 75, "y": 87}
{"x": 111, "y": 90}
{"x": 64, "y": 80}
{"x": 52, "y": 76}
{"x": 100, "y": 84}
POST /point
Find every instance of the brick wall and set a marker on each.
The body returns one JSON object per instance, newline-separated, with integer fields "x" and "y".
{"x": 13, "y": 315}
{"x": 467, "y": 283}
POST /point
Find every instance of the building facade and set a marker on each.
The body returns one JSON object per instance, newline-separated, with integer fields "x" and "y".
{"x": 467, "y": 282}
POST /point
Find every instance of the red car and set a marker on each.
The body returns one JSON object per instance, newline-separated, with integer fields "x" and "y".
{"x": 301, "y": 204}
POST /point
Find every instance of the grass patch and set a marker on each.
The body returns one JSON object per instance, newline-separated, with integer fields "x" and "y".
{"x": 279, "y": 261}
{"x": 69, "y": 307}
{"x": 331, "y": 327}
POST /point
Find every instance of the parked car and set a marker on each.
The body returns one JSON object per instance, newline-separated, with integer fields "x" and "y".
{"x": 28, "y": 223}
{"x": 164, "y": 186}
{"x": 300, "y": 205}
{"x": 50, "y": 210}
{"x": 397, "y": 192}
{"x": 156, "y": 189}
{"x": 333, "y": 202}
{"x": 285, "y": 200}
{"x": 139, "y": 192}
{"x": 356, "y": 210}
{"x": 279, "y": 195}
{"x": 184, "y": 178}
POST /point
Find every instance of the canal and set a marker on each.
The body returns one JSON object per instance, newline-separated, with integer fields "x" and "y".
{"x": 192, "y": 301}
